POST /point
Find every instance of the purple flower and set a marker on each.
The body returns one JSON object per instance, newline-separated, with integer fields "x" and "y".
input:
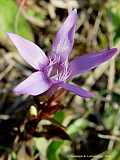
{"x": 56, "y": 69}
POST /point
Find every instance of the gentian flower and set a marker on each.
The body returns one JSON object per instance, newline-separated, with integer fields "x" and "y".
{"x": 56, "y": 69}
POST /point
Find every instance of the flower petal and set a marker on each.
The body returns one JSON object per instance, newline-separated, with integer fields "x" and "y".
{"x": 35, "y": 84}
{"x": 31, "y": 53}
{"x": 89, "y": 61}
{"x": 64, "y": 39}
{"x": 79, "y": 91}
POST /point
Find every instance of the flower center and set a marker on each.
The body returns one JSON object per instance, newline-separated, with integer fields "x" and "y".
{"x": 57, "y": 70}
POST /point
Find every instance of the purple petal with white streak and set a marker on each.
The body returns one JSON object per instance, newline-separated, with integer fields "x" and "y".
{"x": 89, "y": 61}
{"x": 31, "y": 53}
{"x": 78, "y": 91}
{"x": 63, "y": 42}
{"x": 35, "y": 84}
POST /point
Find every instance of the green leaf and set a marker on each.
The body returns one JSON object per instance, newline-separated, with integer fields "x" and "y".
{"x": 114, "y": 13}
{"x": 37, "y": 15}
{"x": 59, "y": 116}
{"x": 53, "y": 150}
{"x": 114, "y": 154}
{"x": 13, "y": 156}
{"x": 10, "y": 22}
{"x": 79, "y": 124}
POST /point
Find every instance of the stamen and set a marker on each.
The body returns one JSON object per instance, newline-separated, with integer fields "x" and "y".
{"x": 57, "y": 70}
